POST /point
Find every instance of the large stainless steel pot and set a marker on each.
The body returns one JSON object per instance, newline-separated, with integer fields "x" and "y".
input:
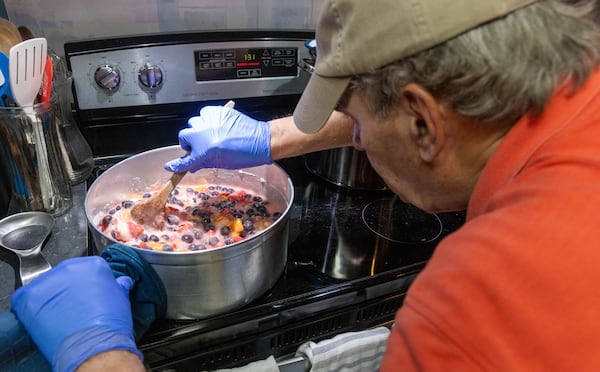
{"x": 203, "y": 283}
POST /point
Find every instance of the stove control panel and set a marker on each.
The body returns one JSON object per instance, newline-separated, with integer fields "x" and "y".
{"x": 177, "y": 68}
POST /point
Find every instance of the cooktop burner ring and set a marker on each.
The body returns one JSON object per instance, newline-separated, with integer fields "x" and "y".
{"x": 399, "y": 222}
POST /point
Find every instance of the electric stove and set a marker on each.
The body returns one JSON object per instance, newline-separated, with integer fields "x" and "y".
{"x": 352, "y": 254}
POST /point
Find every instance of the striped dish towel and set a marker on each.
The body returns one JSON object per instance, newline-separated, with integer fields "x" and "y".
{"x": 352, "y": 351}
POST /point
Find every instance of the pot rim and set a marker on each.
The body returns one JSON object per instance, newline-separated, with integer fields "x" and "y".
{"x": 248, "y": 241}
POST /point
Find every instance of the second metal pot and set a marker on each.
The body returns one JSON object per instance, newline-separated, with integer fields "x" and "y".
{"x": 345, "y": 166}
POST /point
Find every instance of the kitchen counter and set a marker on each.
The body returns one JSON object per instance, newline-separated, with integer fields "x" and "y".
{"x": 67, "y": 240}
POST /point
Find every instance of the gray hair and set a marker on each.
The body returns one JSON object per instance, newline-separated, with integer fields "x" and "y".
{"x": 501, "y": 70}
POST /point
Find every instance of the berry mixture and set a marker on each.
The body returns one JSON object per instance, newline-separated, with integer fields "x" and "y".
{"x": 195, "y": 218}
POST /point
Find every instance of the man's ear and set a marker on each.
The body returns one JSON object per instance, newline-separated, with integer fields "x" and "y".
{"x": 427, "y": 129}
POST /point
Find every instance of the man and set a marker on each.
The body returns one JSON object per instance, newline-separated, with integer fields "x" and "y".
{"x": 493, "y": 106}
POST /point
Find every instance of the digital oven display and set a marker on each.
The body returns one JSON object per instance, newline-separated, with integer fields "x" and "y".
{"x": 229, "y": 64}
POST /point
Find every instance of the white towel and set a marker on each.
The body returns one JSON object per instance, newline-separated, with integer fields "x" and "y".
{"x": 352, "y": 351}
{"x": 266, "y": 365}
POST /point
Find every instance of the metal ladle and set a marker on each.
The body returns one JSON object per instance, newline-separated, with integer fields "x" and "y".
{"x": 24, "y": 235}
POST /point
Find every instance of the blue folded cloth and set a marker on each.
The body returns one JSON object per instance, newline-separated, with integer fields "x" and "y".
{"x": 148, "y": 295}
{"x": 148, "y": 303}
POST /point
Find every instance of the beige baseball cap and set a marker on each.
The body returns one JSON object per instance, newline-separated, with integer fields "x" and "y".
{"x": 356, "y": 36}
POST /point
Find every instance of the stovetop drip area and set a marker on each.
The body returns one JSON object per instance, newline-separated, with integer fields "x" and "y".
{"x": 351, "y": 254}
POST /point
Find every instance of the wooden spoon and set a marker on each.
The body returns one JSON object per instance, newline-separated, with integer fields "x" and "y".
{"x": 25, "y": 32}
{"x": 149, "y": 211}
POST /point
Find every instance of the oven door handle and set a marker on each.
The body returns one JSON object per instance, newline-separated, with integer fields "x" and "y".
{"x": 364, "y": 349}
{"x": 294, "y": 364}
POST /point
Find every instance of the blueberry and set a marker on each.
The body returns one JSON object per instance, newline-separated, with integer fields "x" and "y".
{"x": 127, "y": 204}
{"x": 262, "y": 211}
{"x": 248, "y": 225}
{"x": 146, "y": 195}
{"x": 225, "y": 230}
{"x": 187, "y": 238}
{"x": 153, "y": 238}
{"x": 213, "y": 241}
{"x": 106, "y": 220}
{"x": 165, "y": 237}
{"x": 229, "y": 241}
{"x": 167, "y": 248}
{"x": 143, "y": 237}
{"x": 173, "y": 200}
{"x": 172, "y": 219}
{"x": 198, "y": 234}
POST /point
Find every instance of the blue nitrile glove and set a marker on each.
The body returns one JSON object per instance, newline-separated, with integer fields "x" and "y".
{"x": 222, "y": 137}
{"x": 77, "y": 310}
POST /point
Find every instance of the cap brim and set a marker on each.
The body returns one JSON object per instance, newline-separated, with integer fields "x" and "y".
{"x": 318, "y": 102}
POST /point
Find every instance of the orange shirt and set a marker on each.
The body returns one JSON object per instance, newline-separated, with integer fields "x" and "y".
{"x": 517, "y": 288}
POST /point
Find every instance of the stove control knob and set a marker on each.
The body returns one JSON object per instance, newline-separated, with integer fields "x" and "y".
{"x": 107, "y": 77}
{"x": 150, "y": 76}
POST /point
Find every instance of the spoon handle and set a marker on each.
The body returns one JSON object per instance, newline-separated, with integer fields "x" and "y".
{"x": 176, "y": 177}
